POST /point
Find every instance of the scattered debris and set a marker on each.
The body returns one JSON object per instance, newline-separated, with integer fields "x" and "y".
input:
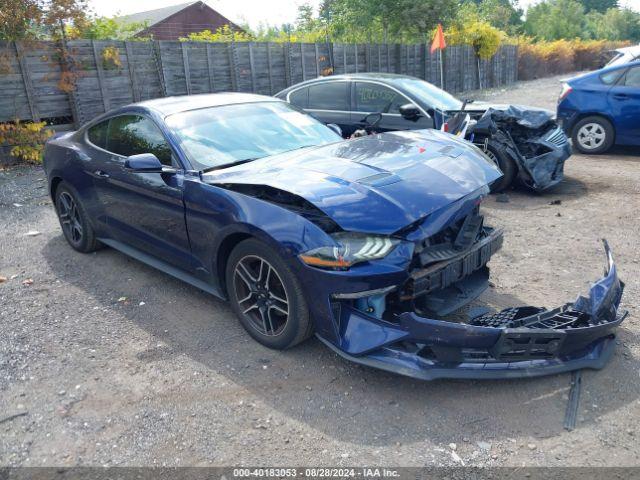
{"x": 502, "y": 198}
{"x": 27, "y": 282}
{"x": 532, "y": 446}
{"x": 122, "y": 299}
{"x": 571, "y": 414}
{"x": 14, "y": 416}
{"x": 555, "y": 202}
{"x": 141, "y": 304}
{"x": 453, "y": 446}
{"x": 17, "y": 205}
{"x": 484, "y": 445}
{"x": 3, "y": 279}
{"x": 32, "y": 233}
{"x": 457, "y": 458}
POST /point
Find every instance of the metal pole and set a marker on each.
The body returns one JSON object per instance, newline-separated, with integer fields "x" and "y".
{"x": 441, "y": 70}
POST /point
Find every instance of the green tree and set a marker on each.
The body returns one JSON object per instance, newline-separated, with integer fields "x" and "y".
{"x": 18, "y": 18}
{"x": 598, "y": 5}
{"x": 104, "y": 28}
{"x": 555, "y": 19}
{"x": 614, "y": 24}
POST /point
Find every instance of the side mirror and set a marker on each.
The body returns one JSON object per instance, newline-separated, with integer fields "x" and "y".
{"x": 335, "y": 128}
{"x": 410, "y": 112}
{"x": 146, "y": 163}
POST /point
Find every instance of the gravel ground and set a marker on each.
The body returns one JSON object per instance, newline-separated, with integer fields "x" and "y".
{"x": 168, "y": 377}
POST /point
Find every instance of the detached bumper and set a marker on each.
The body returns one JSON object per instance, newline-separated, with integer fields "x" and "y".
{"x": 516, "y": 342}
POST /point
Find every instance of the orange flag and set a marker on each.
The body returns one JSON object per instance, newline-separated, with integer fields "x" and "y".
{"x": 438, "y": 40}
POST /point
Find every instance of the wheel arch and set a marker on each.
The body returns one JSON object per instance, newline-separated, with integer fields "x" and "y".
{"x": 53, "y": 186}
{"x": 222, "y": 256}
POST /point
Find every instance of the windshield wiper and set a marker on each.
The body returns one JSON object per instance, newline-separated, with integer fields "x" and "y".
{"x": 230, "y": 164}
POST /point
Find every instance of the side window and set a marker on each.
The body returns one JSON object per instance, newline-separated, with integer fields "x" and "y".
{"x": 328, "y": 96}
{"x": 133, "y": 134}
{"x": 98, "y": 134}
{"x": 633, "y": 77}
{"x": 371, "y": 97}
{"x": 300, "y": 98}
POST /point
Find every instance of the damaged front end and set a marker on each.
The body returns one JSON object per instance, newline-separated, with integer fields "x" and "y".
{"x": 533, "y": 140}
{"x": 395, "y": 329}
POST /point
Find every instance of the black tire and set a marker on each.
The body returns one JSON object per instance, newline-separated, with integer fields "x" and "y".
{"x": 74, "y": 220}
{"x": 265, "y": 321}
{"x": 501, "y": 157}
{"x": 593, "y": 135}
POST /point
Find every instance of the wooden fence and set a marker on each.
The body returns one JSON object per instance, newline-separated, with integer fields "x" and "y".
{"x": 101, "y": 75}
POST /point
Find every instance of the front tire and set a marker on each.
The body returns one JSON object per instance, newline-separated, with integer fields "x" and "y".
{"x": 498, "y": 155}
{"x": 266, "y": 296}
{"x": 74, "y": 220}
{"x": 593, "y": 135}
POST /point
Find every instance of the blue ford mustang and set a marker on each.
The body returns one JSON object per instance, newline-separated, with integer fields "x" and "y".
{"x": 368, "y": 243}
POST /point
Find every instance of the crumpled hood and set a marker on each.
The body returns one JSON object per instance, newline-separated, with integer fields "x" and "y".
{"x": 525, "y": 116}
{"x": 375, "y": 184}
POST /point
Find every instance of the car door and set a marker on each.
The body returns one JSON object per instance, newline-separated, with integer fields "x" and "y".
{"x": 624, "y": 100}
{"x": 372, "y": 97}
{"x": 329, "y": 102}
{"x": 142, "y": 210}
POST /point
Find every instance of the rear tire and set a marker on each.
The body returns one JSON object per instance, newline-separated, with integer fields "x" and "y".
{"x": 505, "y": 163}
{"x": 266, "y": 296}
{"x": 593, "y": 135}
{"x": 74, "y": 220}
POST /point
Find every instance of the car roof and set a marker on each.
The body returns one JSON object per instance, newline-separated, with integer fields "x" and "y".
{"x": 379, "y": 76}
{"x": 169, "y": 105}
{"x": 633, "y": 50}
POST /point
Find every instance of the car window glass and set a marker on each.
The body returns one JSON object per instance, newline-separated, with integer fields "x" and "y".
{"x": 133, "y": 134}
{"x": 300, "y": 98}
{"x": 371, "y": 97}
{"x": 633, "y": 77}
{"x": 328, "y": 96}
{"x": 609, "y": 78}
{"x": 98, "y": 134}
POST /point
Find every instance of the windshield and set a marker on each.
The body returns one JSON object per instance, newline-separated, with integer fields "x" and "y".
{"x": 217, "y": 136}
{"x": 429, "y": 94}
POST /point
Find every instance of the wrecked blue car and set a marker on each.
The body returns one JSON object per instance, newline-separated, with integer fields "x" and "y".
{"x": 369, "y": 243}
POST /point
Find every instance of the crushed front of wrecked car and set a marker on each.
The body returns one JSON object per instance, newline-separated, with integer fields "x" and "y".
{"x": 530, "y": 136}
{"x": 396, "y": 241}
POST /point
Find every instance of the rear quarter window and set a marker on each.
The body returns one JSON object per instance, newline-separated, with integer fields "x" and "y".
{"x": 299, "y": 98}
{"x": 610, "y": 78}
{"x": 97, "y": 134}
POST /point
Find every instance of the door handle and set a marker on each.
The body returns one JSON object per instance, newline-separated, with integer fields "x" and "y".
{"x": 620, "y": 96}
{"x": 100, "y": 173}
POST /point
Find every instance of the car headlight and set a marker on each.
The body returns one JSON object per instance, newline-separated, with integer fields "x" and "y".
{"x": 351, "y": 248}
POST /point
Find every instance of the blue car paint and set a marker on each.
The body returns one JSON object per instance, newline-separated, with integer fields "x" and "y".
{"x": 619, "y": 104}
{"x": 411, "y": 184}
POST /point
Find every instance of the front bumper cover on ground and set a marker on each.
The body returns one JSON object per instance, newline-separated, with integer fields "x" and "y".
{"x": 516, "y": 342}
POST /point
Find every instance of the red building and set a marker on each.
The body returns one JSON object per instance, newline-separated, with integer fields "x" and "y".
{"x": 171, "y": 23}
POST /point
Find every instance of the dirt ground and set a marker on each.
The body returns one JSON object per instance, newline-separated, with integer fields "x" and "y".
{"x": 168, "y": 376}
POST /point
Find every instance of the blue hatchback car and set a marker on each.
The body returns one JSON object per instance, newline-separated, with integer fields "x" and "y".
{"x": 368, "y": 243}
{"x": 602, "y": 108}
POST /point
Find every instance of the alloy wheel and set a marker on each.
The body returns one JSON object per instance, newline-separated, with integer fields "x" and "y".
{"x": 70, "y": 218}
{"x": 591, "y": 136}
{"x": 261, "y": 295}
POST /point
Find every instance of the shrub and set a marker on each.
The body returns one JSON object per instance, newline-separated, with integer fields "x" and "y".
{"x": 484, "y": 38}
{"x": 540, "y": 59}
{"x": 25, "y": 140}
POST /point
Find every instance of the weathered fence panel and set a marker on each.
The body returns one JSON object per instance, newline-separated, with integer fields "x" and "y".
{"x": 107, "y": 74}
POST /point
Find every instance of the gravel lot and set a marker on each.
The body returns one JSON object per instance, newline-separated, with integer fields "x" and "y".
{"x": 168, "y": 376}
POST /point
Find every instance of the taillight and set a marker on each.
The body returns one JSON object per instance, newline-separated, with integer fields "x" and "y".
{"x": 445, "y": 127}
{"x": 566, "y": 90}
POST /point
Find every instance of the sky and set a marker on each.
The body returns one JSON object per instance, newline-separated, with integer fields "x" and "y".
{"x": 254, "y": 12}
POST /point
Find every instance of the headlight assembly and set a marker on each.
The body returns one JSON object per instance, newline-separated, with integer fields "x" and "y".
{"x": 352, "y": 248}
